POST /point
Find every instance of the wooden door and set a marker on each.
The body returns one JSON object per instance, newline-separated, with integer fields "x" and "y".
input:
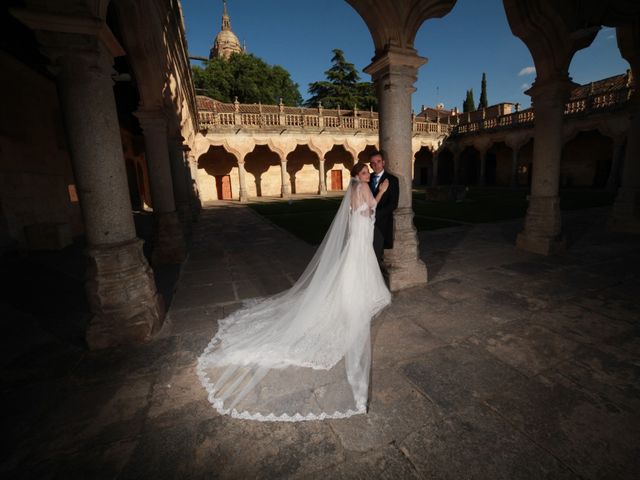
{"x": 224, "y": 187}
{"x": 336, "y": 179}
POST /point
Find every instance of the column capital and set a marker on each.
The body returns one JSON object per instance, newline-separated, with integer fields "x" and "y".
{"x": 64, "y": 35}
{"x": 397, "y": 62}
{"x": 151, "y": 118}
{"x": 551, "y": 91}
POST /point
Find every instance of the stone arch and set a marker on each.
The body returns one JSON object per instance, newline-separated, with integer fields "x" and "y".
{"x": 524, "y": 170}
{"x": 263, "y": 169}
{"x": 218, "y": 174}
{"x": 469, "y": 166}
{"x": 586, "y": 160}
{"x": 446, "y": 167}
{"x": 303, "y": 169}
{"x": 498, "y": 164}
{"x": 337, "y": 166}
{"x": 423, "y": 167}
{"x": 363, "y": 156}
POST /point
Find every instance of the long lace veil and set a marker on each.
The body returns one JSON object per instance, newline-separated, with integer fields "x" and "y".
{"x": 303, "y": 354}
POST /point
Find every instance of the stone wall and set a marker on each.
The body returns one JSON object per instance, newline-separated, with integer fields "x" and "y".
{"x": 36, "y": 180}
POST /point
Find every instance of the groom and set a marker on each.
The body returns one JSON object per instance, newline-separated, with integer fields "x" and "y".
{"x": 383, "y": 231}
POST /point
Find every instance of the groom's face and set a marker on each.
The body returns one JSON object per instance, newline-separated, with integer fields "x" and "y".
{"x": 377, "y": 163}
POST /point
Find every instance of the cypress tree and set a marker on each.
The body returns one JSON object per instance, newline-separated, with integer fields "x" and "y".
{"x": 469, "y": 103}
{"x": 483, "y": 94}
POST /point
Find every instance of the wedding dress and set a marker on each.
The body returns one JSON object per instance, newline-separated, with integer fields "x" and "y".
{"x": 305, "y": 354}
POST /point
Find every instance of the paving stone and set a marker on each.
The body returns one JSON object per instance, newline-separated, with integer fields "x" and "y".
{"x": 596, "y": 440}
{"x": 457, "y": 376}
{"x": 529, "y": 348}
{"x": 229, "y": 448}
{"x": 610, "y": 303}
{"x": 389, "y": 463}
{"x": 464, "y": 319}
{"x": 390, "y": 332}
{"x": 455, "y": 289}
{"x": 613, "y": 379}
{"x": 204, "y": 295}
{"x": 475, "y": 443}
{"x": 396, "y": 409}
{"x": 580, "y": 324}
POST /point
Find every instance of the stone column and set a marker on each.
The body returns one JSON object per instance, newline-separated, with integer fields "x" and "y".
{"x": 616, "y": 163}
{"x": 322, "y": 184}
{"x": 625, "y": 215}
{"x": 434, "y": 178}
{"x": 284, "y": 175}
{"x": 394, "y": 72}
{"x": 514, "y": 166}
{"x": 194, "y": 189}
{"x": 191, "y": 176}
{"x": 242, "y": 179}
{"x": 542, "y": 231}
{"x": 179, "y": 174}
{"x": 169, "y": 243}
{"x": 482, "y": 179}
{"x": 121, "y": 291}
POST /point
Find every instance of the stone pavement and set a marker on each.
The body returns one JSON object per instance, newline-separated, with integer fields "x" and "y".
{"x": 506, "y": 365}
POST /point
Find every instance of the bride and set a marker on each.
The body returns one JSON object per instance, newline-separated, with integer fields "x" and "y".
{"x": 305, "y": 353}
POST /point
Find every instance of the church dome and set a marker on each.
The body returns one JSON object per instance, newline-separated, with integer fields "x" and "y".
{"x": 226, "y": 42}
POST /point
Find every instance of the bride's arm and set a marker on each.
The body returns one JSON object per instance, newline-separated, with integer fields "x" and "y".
{"x": 381, "y": 189}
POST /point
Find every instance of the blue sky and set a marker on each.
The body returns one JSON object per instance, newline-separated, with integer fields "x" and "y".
{"x": 474, "y": 38}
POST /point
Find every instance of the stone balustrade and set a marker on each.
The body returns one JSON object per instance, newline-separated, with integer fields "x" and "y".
{"x": 589, "y": 105}
{"x": 348, "y": 120}
{"x": 345, "y": 120}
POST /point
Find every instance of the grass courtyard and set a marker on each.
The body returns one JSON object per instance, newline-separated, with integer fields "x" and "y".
{"x": 309, "y": 218}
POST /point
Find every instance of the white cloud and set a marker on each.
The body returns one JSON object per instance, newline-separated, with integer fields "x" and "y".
{"x": 525, "y": 86}
{"x": 527, "y": 71}
{"x": 611, "y": 37}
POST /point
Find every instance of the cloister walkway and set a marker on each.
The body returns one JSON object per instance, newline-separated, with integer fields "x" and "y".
{"x": 506, "y": 365}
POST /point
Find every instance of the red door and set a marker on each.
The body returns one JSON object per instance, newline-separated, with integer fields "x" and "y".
{"x": 336, "y": 179}
{"x": 224, "y": 187}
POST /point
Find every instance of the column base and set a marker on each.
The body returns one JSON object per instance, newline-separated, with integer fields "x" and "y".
{"x": 625, "y": 215}
{"x": 122, "y": 296}
{"x": 322, "y": 191}
{"x": 169, "y": 245}
{"x": 541, "y": 245}
{"x": 542, "y": 230}
{"x": 286, "y": 192}
{"x": 404, "y": 267}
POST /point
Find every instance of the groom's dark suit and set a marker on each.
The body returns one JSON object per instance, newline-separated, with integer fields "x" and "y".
{"x": 383, "y": 232}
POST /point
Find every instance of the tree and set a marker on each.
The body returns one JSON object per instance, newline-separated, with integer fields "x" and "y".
{"x": 247, "y": 77}
{"x": 483, "y": 94}
{"x": 469, "y": 104}
{"x": 342, "y": 87}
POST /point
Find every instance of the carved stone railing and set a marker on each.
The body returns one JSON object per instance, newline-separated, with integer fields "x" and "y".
{"x": 592, "y": 104}
{"x": 286, "y": 117}
{"x": 314, "y": 120}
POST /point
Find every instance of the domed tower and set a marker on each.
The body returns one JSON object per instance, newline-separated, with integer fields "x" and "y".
{"x": 226, "y": 41}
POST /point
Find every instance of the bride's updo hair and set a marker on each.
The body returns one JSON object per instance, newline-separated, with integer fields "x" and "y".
{"x": 357, "y": 168}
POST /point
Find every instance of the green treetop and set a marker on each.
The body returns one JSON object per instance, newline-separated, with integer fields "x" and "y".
{"x": 247, "y": 77}
{"x": 469, "y": 104}
{"x": 342, "y": 87}
{"x": 483, "y": 94}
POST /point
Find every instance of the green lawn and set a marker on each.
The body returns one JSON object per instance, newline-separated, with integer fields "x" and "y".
{"x": 309, "y": 219}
